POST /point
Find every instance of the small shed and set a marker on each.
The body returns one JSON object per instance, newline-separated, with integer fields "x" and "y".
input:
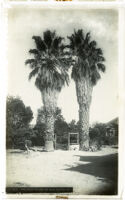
{"x": 73, "y": 141}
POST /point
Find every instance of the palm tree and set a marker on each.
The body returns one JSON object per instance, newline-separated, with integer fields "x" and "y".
{"x": 87, "y": 63}
{"x": 50, "y": 68}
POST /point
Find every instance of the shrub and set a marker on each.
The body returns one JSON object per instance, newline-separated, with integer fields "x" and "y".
{"x": 95, "y": 140}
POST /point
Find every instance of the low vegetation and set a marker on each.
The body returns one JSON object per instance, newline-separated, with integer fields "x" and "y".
{"x": 20, "y": 133}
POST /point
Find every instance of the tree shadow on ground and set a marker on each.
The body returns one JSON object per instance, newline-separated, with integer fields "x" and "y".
{"x": 104, "y": 168}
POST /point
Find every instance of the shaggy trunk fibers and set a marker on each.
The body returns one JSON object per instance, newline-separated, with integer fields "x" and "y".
{"x": 84, "y": 93}
{"x": 50, "y": 103}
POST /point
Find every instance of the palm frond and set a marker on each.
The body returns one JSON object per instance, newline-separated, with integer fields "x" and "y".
{"x": 99, "y": 51}
{"x": 87, "y": 38}
{"x": 57, "y": 44}
{"x": 33, "y": 73}
{"x": 52, "y": 60}
{"x": 39, "y": 43}
{"x": 95, "y": 77}
{"x": 93, "y": 44}
{"x": 48, "y": 37}
{"x": 33, "y": 51}
{"x": 101, "y": 59}
{"x": 101, "y": 67}
{"x": 29, "y": 61}
{"x": 93, "y": 67}
{"x": 89, "y": 57}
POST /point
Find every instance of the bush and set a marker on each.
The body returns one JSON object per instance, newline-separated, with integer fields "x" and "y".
{"x": 20, "y": 136}
{"x": 95, "y": 140}
{"x": 18, "y": 117}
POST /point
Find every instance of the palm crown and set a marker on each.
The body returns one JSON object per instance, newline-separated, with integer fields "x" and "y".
{"x": 87, "y": 58}
{"x": 50, "y": 62}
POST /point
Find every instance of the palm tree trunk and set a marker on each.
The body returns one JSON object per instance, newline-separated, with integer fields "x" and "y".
{"x": 49, "y": 137}
{"x": 49, "y": 97}
{"x": 84, "y": 127}
{"x": 84, "y": 93}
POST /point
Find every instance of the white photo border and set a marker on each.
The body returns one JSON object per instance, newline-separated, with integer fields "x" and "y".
{"x": 121, "y": 71}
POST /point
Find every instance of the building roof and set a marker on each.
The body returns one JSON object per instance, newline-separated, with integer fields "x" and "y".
{"x": 113, "y": 121}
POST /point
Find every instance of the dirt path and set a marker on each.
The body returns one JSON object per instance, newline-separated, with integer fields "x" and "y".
{"x": 87, "y": 172}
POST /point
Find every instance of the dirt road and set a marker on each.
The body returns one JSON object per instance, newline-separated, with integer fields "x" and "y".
{"x": 87, "y": 172}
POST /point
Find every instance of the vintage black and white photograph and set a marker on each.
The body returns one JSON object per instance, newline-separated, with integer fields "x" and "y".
{"x": 62, "y": 103}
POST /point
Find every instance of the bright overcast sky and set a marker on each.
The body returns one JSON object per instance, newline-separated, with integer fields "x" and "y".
{"x": 103, "y": 25}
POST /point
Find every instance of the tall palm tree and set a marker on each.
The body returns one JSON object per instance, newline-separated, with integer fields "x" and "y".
{"x": 87, "y": 62}
{"x": 49, "y": 66}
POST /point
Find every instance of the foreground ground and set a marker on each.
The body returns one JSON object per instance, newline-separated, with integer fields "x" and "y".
{"x": 87, "y": 172}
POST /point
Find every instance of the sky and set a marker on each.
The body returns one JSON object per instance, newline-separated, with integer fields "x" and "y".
{"x": 23, "y": 23}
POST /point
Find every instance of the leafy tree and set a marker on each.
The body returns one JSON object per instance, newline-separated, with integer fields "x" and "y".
{"x": 87, "y": 62}
{"x": 60, "y": 125}
{"x": 103, "y": 134}
{"x": 102, "y": 129}
{"x": 73, "y": 126}
{"x": 49, "y": 67}
{"x": 95, "y": 139}
{"x": 39, "y": 129}
{"x": 18, "y": 117}
{"x": 38, "y": 135}
{"x": 58, "y": 114}
{"x": 20, "y": 136}
{"x": 61, "y": 131}
{"x": 41, "y": 113}
{"x": 40, "y": 116}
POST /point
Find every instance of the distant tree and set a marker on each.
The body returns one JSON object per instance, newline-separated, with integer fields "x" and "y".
{"x": 41, "y": 113}
{"x": 40, "y": 116}
{"x": 97, "y": 134}
{"x": 60, "y": 125}
{"x": 95, "y": 139}
{"x": 58, "y": 114}
{"x": 39, "y": 129}
{"x": 20, "y": 136}
{"x": 73, "y": 126}
{"x": 18, "y": 117}
{"x": 38, "y": 138}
